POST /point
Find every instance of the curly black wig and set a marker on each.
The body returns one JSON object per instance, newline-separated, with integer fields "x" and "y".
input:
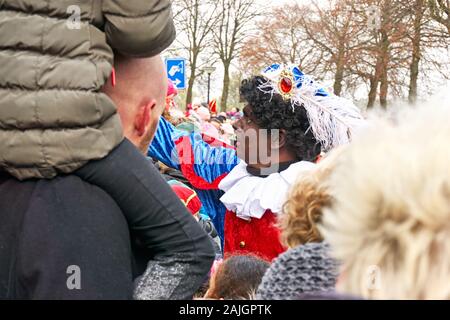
{"x": 273, "y": 112}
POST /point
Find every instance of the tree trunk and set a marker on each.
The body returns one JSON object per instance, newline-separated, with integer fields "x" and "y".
{"x": 414, "y": 76}
{"x": 191, "y": 80}
{"x": 373, "y": 92}
{"x": 226, "y": 86}
{"x": 189, "y": 90}
{"x": 374, "y": 81}
{"x": 416, "y": 51}
{"x": 384, "y": 85}
{"x": 338, "y": 78}
{"x": 385, "y": 58}
{"x": 339, "y": 75}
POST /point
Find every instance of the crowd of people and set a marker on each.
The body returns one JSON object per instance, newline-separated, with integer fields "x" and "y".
{"x": 201, "y": 117}
{"x": 110, "y": 190}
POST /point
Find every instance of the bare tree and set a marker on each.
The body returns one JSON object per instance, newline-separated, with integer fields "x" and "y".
{"x": 384, "y": 58}
{"x": 416, "y": 44}
{"x": 195, "y": 20}
{"x": 440, "y": 12}
{"x": 233, "y": 94}
{"x": 334, "y": 30}
{"x": 281, "y": 37}
{"x": 389, "y": 48}
{"x": 229, "y": 35}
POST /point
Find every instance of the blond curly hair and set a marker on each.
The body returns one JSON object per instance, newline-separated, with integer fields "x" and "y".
{"x": 303, "y": 210}
{"x": 389, "y": 223}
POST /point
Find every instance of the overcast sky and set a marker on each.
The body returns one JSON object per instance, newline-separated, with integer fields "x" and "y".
{"x": 217, "y": 76}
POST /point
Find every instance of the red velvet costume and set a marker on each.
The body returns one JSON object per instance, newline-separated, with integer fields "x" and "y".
{"x": 253, "y": 204}
{"x": 258, "y": 236}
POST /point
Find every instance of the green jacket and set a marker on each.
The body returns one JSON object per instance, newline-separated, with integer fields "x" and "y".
{"x": 53, "y": 117}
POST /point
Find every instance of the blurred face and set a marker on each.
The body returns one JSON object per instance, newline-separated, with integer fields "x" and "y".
{"x": 254, "y": 144}
{"x": 170, "y": 102}
{"x": 204, "y": 114}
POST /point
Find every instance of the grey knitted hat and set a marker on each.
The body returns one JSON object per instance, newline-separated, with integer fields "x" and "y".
{"x": 303, "y": 269}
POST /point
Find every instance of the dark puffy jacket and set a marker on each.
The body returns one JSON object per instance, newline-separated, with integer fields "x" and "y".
{"x": 62, "y": 239}
{"x": 53, "y": 119}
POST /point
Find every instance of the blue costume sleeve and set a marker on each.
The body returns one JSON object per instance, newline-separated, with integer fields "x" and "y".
{"x": 210, "y": 162}
{"x": 163, "y": 146}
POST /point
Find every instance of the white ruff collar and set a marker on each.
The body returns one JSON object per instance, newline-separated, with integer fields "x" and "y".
{"x": 250, "y": 196}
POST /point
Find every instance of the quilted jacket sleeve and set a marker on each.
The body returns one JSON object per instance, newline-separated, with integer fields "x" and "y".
{"x": 139, "y": 28}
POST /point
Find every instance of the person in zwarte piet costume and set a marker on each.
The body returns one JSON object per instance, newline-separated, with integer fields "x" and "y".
{"x": 289, "y": 120}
